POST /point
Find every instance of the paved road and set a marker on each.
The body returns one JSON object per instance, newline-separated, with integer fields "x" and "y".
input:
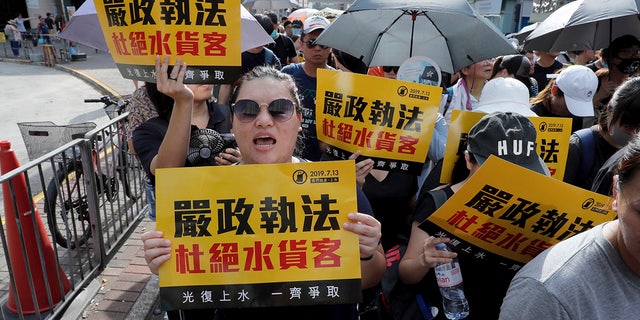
{"x": 33, "y": 92}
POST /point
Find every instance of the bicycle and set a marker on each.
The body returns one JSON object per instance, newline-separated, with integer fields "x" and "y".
{"x": 66, "y": 198}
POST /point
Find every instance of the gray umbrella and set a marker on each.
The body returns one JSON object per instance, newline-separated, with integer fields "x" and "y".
{"x": 585, "y": 24}
{"x": 524, "y": 32}
{"x": 387, "y": 32}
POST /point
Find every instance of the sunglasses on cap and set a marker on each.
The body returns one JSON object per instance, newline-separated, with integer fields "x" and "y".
{"x": 247, "y": 110}
{"x": 311, "y": 43}
{"x": 389, "y": 69}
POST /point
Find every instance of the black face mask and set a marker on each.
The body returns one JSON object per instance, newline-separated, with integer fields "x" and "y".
{"x": 629, "y": 66}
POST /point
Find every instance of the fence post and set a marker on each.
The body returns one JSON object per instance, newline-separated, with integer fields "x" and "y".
{"x": 92, "y": 187}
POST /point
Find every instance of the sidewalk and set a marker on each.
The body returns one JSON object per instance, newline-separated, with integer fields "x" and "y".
{"x": 125, "y": 289}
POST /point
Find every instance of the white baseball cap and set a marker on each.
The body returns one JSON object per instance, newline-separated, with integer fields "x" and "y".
{"x": 579, "y": 84}
{"x": 314, "y": 23}
{"x": 505, "y": 95}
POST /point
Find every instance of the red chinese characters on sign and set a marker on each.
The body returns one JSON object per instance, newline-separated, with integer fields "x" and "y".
{"x": 520, "y": 214}
{"x": 158, "y": 43}
{"x": 364, "y": 137}
{"x": 229, "y": 257}
{"x": 171, "y": 13}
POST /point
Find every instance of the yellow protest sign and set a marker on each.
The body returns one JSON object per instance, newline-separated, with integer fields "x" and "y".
{"x": 205, "y": 34}
{"x": 552, "y": 141}
{"x": 389, "y": 121}
{"x": 258, "y": 235}
{"x": 497, "y": 216}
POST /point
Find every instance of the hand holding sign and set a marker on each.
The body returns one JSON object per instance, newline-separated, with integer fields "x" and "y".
{"x": 363, "y": 167}
{"x": 171, "y": 83}
{"x": 157, "y": 250}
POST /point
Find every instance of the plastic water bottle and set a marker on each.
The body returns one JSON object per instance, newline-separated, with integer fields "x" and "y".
{"x": 449, "y": 279}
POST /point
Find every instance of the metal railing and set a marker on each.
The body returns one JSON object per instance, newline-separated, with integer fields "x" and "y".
{"x": 89, "y": 193}
{"x": 29, "y": 45}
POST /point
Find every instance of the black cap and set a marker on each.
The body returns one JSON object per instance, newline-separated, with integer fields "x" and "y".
{"x": 516, "y": 64}
{"x": 509, "y": 136}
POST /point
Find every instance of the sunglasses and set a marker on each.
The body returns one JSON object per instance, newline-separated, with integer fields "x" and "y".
{"x": 311, "y": 43}
{"x": 388, "y": 69}
{"x": 280, "y": 110}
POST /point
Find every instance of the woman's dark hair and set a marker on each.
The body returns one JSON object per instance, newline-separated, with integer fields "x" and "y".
{"x": 162, "y": 102}
{"x": 265, "y": 22}
{"x": 497, "y": 67}
{"x": 544, "y": 96}
{"x": 268, "y": 72}
{"x": 272, "y": 16}
{"x": 460, "y": 170}
{"x": 629, "y": 164}
{"x": 624, "y": 105}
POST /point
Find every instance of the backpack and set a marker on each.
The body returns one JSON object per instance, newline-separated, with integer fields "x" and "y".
{"x": 394, "y": 299}
{"x": 587, "y": 157}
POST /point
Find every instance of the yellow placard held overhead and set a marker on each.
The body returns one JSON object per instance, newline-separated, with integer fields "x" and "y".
{"x": 205, "y": 34}
{"x": 389, "y": 121}
{"x": 510, "y": 214}
{"x": 552, "y": 141}
{"x": 258, "y": 235}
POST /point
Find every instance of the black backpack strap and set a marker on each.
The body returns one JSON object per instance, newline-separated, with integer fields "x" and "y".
{"x": 588, "y": 152}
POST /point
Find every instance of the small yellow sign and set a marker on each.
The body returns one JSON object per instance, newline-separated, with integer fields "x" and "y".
{"x": 496, "y": 216}
{"x": 552, "y": 141}
{"x": 205, "y": 34}
{"x": 258, "y": 235}
{"x": 388, "y": 120}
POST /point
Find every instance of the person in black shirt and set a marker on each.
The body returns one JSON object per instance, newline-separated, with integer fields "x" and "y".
{"x": 282, "y": 46}
{"x": 545, "y": 65}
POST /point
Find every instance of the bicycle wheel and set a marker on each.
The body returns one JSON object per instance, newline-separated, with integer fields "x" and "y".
{"x": 67, "y": 209}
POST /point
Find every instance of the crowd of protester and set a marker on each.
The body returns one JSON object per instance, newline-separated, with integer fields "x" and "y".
{"x": 598, "y": 90}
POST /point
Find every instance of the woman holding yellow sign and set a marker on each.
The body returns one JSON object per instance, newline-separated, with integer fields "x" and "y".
{"x": 511, "y": 137}
{"x": 594, "y": 274}
{"x": 266, "y": 121}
